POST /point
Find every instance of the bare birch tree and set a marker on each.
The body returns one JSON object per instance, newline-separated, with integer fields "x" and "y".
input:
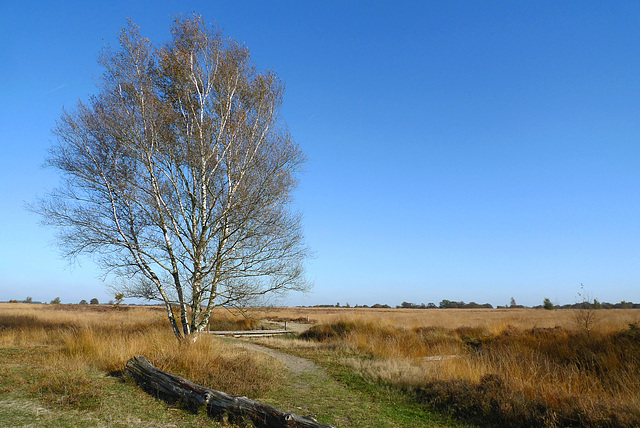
{"x": 178, "y": 175}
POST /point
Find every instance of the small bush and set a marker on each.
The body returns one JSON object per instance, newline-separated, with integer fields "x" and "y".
{"x": 632, "y": 333}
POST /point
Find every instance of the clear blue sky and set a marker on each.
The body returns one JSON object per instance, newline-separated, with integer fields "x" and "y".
{"x": 459, "y": 150}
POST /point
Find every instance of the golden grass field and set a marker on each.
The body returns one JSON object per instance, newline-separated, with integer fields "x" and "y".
{"x": 77, "y": 337}
{"x": 511, "y": 367}
{"x": 491, "y": 319}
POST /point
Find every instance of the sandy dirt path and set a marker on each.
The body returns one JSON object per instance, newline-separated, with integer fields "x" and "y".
{"x": 296, "y": 365}
{"x": 310, "y": 390}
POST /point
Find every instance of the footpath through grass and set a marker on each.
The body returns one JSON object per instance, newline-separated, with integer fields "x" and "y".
{"x": 34, "y": 391}
{"x": 337, "y": 396}
{"x": 57, "y": 366}
{"x": 34, "y": 394}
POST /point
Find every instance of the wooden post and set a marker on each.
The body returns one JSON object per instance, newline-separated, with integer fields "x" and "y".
{"x": 218, "y": 403}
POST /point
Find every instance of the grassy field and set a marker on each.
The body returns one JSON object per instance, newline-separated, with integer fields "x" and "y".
{"x": 62, "y": 366}
{"x": 494, "y": 320}
{"x": 515, "y": 367}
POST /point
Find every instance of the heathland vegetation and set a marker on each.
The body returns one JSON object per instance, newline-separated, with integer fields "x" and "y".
{"x": 485, "y": 367}
{"x": 515, "y": 367}
{"x": 62, "y": 365}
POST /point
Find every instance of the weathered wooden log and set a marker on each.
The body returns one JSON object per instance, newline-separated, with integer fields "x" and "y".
{"x": 218, "y": 403}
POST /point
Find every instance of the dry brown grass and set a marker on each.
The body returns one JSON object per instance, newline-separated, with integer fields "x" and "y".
{"x": 498, "y": 367}
{"x": 68, "y": 341}
{"x": 511, "y": 367}
{"x": 494, "y": 320}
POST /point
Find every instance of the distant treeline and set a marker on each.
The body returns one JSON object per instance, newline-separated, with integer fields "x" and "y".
{"x": 596, "y": 305}
{"x": 444, "y": 304}
{"x": 451, "y": 304}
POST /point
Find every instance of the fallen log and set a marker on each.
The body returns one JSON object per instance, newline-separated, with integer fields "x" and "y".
{"x": 219, "y": 404}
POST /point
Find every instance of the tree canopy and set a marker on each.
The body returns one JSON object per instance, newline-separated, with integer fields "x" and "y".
{"x": 177, "y": 176}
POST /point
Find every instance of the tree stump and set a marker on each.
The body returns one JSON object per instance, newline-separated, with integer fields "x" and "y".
{"x": 218, "y": 404}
